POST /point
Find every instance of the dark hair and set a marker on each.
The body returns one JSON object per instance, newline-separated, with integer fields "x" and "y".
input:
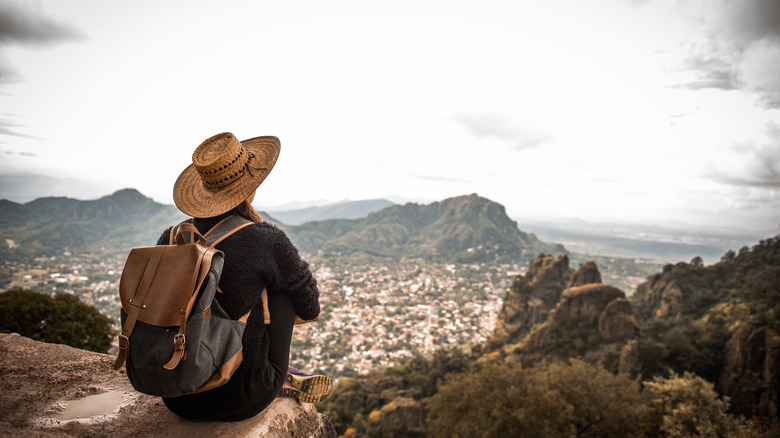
{"x": 246, "y": 211}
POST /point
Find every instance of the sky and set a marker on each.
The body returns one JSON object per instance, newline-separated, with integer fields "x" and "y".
{"x": 655, "y": 111}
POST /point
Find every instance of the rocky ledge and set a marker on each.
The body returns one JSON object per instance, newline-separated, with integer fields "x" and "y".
{"x": 52, "y": 390}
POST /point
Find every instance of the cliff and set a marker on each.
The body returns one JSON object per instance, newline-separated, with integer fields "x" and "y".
{"x": 587, "y": 316}
{"x": 530, "y": 298}
{"x": 43, "y": 385}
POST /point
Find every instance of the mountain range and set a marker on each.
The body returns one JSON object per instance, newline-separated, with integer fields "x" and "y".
{"x": 466, "y": 228}
{"x": 48, "y": 226}
{"x": 338, "y": 210}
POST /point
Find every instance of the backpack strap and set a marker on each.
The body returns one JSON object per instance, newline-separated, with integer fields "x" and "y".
{"x": 179, "y": 341}
{"x": 225, "y": 228}
{"x": 221, "y": 231}
{"x": 175, "y": 229}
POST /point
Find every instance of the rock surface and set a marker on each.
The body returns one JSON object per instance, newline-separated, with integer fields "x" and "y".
{"x": 752, "y": 359}
{"x": 42, "y": 385}
{"x": 530, "y": 298}
{"x": 587, "y": 274}
{"x": 595, "y": 309}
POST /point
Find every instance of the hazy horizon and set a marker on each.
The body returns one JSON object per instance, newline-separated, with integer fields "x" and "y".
{"x": 573, "y": 222}
{"x": 625, "y": 111}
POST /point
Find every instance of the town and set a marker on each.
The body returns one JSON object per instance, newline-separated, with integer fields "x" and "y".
{"x": 375, "y": 314}
{"x": 372, "y": 316}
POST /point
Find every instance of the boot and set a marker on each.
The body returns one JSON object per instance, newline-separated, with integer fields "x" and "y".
{"x": 309, "y": 388}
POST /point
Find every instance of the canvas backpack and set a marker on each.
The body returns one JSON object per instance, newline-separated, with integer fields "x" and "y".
{"x": 176, "y": 339}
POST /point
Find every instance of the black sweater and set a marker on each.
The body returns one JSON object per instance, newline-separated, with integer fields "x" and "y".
{"x": 257, "y": 256}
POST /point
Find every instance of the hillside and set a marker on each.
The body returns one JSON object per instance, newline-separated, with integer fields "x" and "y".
{"x": 48, "y": 226}
{"x": 461, "y": 229}
{"x": 720, "y": 321}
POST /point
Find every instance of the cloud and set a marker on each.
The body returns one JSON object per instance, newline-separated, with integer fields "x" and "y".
{"x": 750, "y": 163}
{"x": 24, "y": 23}
{"x": 9, "y": 127}
{"x": 737, "y": 46}
{"x": 22, "y": 153}
{"x": 492, "y": 125}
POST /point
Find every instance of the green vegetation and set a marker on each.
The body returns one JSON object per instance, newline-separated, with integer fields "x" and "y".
{"x": 464, "y": 229}
{"x": 688, "y": 406}
{"x": 62, "y": 320}
{"x": 492, "y": 398}
{"x": 499, "y": 399}
{"x": 356, "y": 397}
{"x": 47, "y": 227}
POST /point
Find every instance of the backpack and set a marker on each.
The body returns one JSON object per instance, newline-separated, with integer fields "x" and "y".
{"x": 176, "y": 339}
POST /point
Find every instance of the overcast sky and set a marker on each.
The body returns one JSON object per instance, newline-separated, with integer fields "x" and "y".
{"x": 602, "y": 110}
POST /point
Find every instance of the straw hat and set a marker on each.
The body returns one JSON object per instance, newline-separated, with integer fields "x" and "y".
{"x": 224, "y": 172}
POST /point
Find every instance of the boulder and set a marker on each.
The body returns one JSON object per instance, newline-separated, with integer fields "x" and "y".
{"x": 53, "y": 390}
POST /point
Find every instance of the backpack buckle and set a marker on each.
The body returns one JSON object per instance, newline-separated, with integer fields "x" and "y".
{"x": 179, "y": 339}
{"x": 124, "y": 342}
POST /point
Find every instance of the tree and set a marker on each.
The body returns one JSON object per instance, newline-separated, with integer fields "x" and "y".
{"x": 688, "y": 406}
{"x": 502, "y": 399}
{"x": 62, "y": 320}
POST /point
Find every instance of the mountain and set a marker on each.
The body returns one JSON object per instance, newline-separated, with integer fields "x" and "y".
{"x": 340, "y": 210}
{"x": 48, "y": 226}
{"x": 461, "y": 229}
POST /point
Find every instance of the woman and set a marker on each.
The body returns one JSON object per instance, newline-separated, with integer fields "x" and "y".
{"x": 222, "y": 181}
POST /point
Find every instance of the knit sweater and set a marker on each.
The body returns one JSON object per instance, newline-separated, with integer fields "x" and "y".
{"x": 259, "y": 255}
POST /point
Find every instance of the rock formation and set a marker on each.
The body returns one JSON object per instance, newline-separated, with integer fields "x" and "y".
{"x": 592, "y": 321}
{"x": 587, "y": 274}
{"x": 597, "y": 312}
{"x": 752, "y": 360}
{"x": 43, "y": 385}
{"x": 530, "y": 298}
{"x": 663, "y": 297}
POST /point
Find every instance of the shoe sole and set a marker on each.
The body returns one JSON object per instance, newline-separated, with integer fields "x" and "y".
{"x": 314, "y": 386}
{"x": 302, "y": 396}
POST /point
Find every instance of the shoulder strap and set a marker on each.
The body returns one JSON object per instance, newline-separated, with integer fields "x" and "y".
{"x": 219, "y": 232}
{"x": 224, "y": 228}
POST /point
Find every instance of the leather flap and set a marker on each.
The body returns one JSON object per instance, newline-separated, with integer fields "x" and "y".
{"x": 164, "y": 297}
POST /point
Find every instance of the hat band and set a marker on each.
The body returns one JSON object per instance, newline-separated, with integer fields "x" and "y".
{"x": 232, "y": 178}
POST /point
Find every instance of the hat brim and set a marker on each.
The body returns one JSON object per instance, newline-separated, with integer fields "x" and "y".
{"x": 193, "y": 198}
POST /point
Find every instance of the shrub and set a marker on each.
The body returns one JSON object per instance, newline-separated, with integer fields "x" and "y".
{"x": 62, "y": 320}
